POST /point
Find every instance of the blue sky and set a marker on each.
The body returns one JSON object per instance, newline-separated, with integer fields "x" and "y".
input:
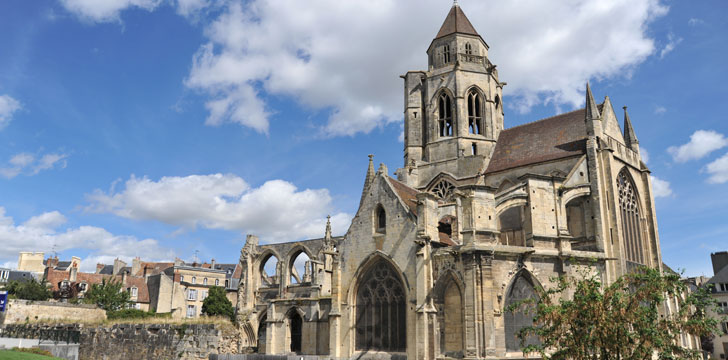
{"x": 158, "y": 128}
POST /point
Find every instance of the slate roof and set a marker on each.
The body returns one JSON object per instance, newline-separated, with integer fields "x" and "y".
{"x": 63, "y": 265}
{"x": 107, "y": 270}
{"x": 456, "y": 22}
{"x": 553, "y": 138}
{"x": 17, "y": 275}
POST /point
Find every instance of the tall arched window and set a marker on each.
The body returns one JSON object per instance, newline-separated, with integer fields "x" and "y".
{"x": 521, "y": 289}
{"x": 380, "y": 310}
{"x": 446, "y": 54}
{"x": 444, "y": 115}
{"x": 468, "y": 49}
{"x": 269, "y": 271}
{"x": 630, "y": 215}
{"x": 475, "y": 118}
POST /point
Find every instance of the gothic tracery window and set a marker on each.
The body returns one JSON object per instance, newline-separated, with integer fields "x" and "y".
{"x": 521, "y": 289}
{"x": 475, "y": 118}
{"x": 380, "y": 310}
{"x": 468, "y": 49}
{"x": 444, "y": 115}
{"x": 443, "y": 189}
{"x": 630, "y": 215}
{"x": 446, "y": 54}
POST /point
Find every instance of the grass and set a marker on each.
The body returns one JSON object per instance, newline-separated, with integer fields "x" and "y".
{"x": 17, "y": 355}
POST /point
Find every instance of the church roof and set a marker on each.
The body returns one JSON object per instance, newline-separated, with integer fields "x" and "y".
{"x": 553, "y": 138}
{"x": 456, "y": 22}
{"x": 406, "y": 193}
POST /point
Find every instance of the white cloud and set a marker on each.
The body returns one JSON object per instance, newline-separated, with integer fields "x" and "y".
{"x": 672, "y": 42}
{"x": 702, "y": 143}
{"x": 659, "y": 110}
{"x": 43, "y": 233}
{"x": 30, "y": 164}
{"x": 105, "y": 10}
{"x": 718, "y": 170}
{"x": 660, "y": 188}
{"x": 191, "y": 7}
{"x": 276, "y": 211}
{"x": 8, "y": 106}
{"x": 644, "y": 154}
{"x": 695, "y": 21}
{"x": 345, "y": 56}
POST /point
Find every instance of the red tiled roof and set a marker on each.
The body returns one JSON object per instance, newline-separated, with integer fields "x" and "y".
{"x": 55, "y": 277}
{"x": 549, "y": 139}
{"x": 407, "y": 194}
{"x": 153, "y": 268}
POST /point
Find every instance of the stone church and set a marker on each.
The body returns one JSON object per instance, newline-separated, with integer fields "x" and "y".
{"x": 478, "y": 217}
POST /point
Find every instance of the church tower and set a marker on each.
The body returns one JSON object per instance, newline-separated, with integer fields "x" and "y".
{"x": 453, "y": 111}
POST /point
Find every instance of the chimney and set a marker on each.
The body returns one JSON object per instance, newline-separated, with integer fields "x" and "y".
{"x": 212, "y": 264}
{"x": 136, "y": 266}
{"x": 73, "y": 273}
{"x": 99, "y": 267}
{"x": 178, "y": 262}
{"x": 118, "y": 265}
{"x": 719, "y": 260}
{"x": 123, "y": 278}
{"x": 75, "y": 261}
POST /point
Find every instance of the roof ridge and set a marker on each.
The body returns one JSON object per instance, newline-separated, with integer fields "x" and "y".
{"x": 544, "y": 119}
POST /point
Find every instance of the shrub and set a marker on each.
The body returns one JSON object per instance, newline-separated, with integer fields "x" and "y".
{"x": 216, "y": 303}
{"x": 133, "y": 314}
{"x": 108, "y": 295}
{"x": 31, "y": 289}
{"x": 33, "y": 350}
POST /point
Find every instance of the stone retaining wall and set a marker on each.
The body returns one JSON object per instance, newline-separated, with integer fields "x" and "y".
{"x": 130, "y": 341}
{"x": 20, "y": 311}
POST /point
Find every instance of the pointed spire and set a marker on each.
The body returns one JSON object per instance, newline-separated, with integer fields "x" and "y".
{"x": 327, "y": 236}
{"x": 456, "y": 22}
{"x": 592, "y": 113}
{"x": 630, "y": 139}
{"x": 369, "y": 179}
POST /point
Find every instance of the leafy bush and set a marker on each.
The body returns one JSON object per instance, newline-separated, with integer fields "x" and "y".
{"x": 134, "y": 314}
{"x": 621, "y": 320}
{"x": 30, "y": 289}
{"x": 108, "y": 295}
{"x": 216, "y": 303}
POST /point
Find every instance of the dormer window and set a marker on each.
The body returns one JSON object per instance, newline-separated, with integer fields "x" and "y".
{"x": 444, "y": 115}
{"x": 475, "y": 118}
{"x": 446, "y": 54}
{"x": 468, "y": 49}
{"x": 194, "y": 280}
{"x": 204, "y": 281}
{"x": 133, "y": 291}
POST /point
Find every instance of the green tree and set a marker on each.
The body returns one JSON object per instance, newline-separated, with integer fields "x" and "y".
{"x": 216, "y": 303}
{"x": 109, "y": 295}
{"x": 624, "y": 320}
{"x": 31, "y": 289}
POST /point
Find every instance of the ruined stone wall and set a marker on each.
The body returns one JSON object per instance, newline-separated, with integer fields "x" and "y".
{"x": 135, "y": 341}
{"x": 20, "y": 311}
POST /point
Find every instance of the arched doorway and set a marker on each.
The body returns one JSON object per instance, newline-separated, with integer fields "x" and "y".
{"x": 521, "y": 289}
{"x": 295, "y": 326}
{"x": 380, "y": 310}
{"x": 262, "y": 329}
